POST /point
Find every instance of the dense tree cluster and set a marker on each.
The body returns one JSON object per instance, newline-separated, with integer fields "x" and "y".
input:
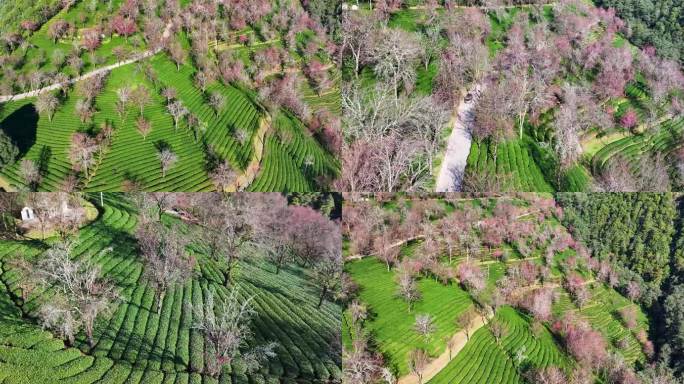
{"x": 8, "y": 150}
{"x": 633, "y": 231}
{"x": 656, "y": 23}
{"x": 391, "y": 132}
{"x": 241, "y": 227}
{"x": 641, "y": 236}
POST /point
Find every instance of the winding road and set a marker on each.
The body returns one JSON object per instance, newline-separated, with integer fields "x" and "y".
{"x": 458, "y": 146}
{"x": 95, "y": 72}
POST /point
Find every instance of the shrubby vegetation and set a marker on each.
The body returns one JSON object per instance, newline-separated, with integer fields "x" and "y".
{"x": 8, "y": 150}
{"x": 640, "y": 235}
{"x": 654, "y": 23}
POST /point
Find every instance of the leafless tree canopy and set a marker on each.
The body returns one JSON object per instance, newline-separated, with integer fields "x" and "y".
{"x": 81, "y": 294}
{"x": 225, "y": 323}
{"x": 164, "y": 253}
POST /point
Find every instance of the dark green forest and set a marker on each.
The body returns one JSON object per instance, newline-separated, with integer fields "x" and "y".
{"x": 659, "y": 23}
{"x": 642, "y": 235}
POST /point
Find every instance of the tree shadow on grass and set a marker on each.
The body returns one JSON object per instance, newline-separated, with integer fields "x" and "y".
{"x": 275, "y": 290}
{"x": 161, "y": 145}
{"x": 21, "y": 127}
{"x": 123, "y": 340}
{"x": 44, "y": 159}
{"x": 313, "y": 348}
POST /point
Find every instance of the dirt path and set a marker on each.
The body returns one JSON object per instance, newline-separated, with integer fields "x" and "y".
{"x": 4, "y": 184}
{"x": 247, "y": 177}
{"x": 458, "y": 146}
{"x": 395, "y": 244}
{"x": 95, "y": 72}
{"x": 491, "y": 7}
{"x": 459, "y": 340}
{"x": 224, "y": 46}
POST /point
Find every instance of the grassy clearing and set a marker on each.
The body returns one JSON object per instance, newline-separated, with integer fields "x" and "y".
{"x": 391, "y": 324}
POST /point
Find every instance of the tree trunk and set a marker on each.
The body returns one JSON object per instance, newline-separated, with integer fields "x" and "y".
{"x": 69, "y": 341}
{"x": 396, "y": 90}
{"x": 91, "y": 342}
{"x": 496, "y": 150}
{"x": 322, "y": 297}
{"x": 160, "y": 300}
{"x": 226, "y": 277}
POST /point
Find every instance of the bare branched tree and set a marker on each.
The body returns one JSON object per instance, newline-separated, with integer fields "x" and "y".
{"x": 327, "y": 274}
{"x": 408, "y": 289}
{"x": 227, "y": 231}
{"x": 164, "y": 254}
{"x": 81, "y": 293}
{"x": 418, "y": 361}
{"x": 425, "y": 326}
{"x": 167, "y": 159}
{"x": 395, "y": 54}
{"x": 225, "y": 324}
{"x": 498, "y": 329}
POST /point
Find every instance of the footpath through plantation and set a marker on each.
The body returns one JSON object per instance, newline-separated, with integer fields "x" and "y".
{"x": 169, "y": 288}
{"x": 452, "y": 289}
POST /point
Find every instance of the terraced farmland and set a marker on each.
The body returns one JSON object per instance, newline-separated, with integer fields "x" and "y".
{"x": 221, "y": 89}
{"x": 664, "y": 139}
{"x": 512, "y": 276}
{"x": 83, "y": 17}
{"x": 116, "y": 166}
{"x": 297, "y": 162}
{"x": 514, "y": 162}
{"x": 137, "y": 345}
{"x": 293, "y": 160}
{"x": 602, "y": 313}
{"x": 483, "y": 360}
